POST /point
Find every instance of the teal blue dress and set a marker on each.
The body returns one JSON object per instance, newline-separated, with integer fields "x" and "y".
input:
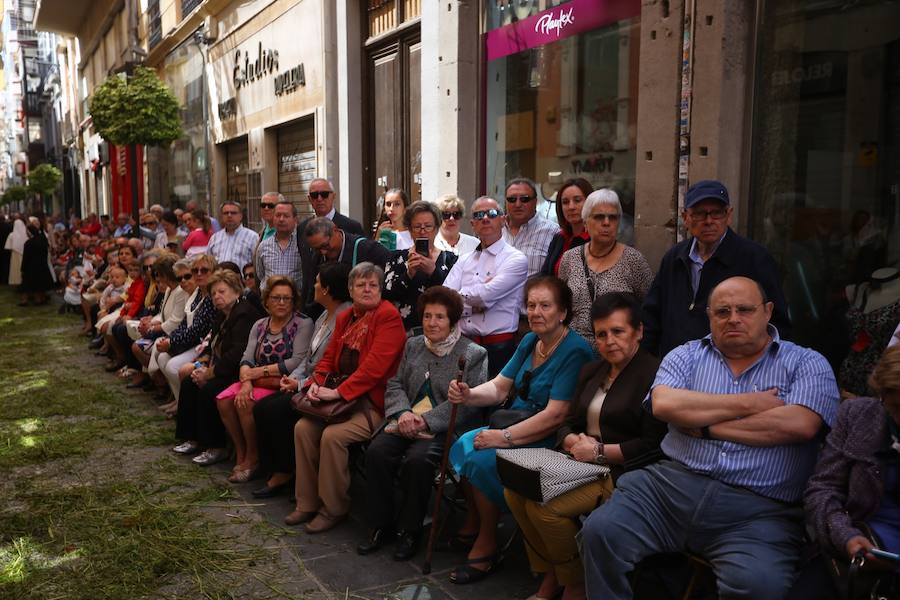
{"x": 555, "y": 379}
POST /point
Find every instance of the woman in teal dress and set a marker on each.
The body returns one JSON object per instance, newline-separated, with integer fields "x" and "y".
{"x": 541, "y": 378}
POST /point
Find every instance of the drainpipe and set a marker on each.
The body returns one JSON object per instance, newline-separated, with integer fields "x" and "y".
{"x": 684, "y": 130}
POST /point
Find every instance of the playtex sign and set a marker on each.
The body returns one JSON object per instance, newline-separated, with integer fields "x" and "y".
{"x": 557, "y": 23}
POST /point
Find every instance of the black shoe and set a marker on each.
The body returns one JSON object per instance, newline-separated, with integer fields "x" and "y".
{"x": 268, "y": 491}
{"x": 407, "y": 544}
{"x": 377, "y": 539}
{"x": 95, "y": 343}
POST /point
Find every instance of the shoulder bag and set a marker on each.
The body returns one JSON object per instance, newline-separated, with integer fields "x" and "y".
{"x": 329, "y": 411}
{"x": 542, "y": 474}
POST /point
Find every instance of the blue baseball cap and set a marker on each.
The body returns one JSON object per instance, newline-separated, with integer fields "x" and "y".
{"x": 706, "y": 189}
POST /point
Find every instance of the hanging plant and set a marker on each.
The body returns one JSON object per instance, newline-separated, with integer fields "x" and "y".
{"x": 138, "y": 110}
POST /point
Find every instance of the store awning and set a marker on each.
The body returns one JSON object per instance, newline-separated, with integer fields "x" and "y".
{"x": 61, "y": 16}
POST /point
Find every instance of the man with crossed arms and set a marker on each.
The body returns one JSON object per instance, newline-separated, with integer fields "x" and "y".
{"x": 744, "y": 410}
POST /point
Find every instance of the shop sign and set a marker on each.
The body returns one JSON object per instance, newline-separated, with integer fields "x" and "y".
{"x": 557, "y": 23}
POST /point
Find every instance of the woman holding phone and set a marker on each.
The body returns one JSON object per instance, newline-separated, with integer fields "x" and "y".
{"x": 410, "y": 272}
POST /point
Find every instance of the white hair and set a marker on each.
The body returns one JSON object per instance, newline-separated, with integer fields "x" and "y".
{"x": 597, "y": 197}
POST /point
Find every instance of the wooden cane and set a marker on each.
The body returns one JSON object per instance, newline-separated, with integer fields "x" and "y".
{"x": 432, "y": 535}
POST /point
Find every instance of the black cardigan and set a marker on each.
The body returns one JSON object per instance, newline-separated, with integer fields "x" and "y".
{"x": 229, "y": 338}
{"x": 623, "y": 420}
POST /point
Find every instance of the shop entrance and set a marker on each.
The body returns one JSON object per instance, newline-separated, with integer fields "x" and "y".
{"x": 297, "y": 162}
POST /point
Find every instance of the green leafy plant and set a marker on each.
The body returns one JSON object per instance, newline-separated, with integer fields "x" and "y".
{"x": 14, "y": 193}
{"x": 139, "y": 110}
{"x": 44, "y": 179}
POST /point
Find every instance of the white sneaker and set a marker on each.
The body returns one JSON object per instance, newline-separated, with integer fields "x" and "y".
{"x": 210, "y": 457}
{"x": 186, "y": 448}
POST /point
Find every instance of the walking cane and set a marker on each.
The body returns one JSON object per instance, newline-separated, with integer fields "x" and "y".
{"x": 432, "y": 535}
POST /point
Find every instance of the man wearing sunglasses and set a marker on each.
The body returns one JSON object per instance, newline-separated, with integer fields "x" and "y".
{"x": 267, "y": 214}
{"x": 234, "y": 242}
{"x": 675, "y": 306}
{"x": 525, "y": 230}
{"x": 490, "y": 280}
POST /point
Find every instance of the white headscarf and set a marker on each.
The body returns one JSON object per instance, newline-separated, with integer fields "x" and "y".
{"x": 18, "y": 237}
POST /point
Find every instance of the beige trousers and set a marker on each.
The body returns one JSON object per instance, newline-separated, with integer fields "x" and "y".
{"x": 323, "y": 472}
{"x": 550, "y": 529}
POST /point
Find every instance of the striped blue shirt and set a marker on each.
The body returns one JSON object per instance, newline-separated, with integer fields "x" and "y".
{"x": 802, "y": 376}
{"x": 234, "y": 247}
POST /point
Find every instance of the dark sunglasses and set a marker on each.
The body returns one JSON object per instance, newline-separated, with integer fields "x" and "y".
{"x": 200, "y": 270}
{"x": 148, "y": 267}
{"x": 267, "y": 205}
{"x": 249, "y": 275}
{"x": 457, "y": 215}
{"x": 491, "y": 213}
{"x": 514, "y": 199}
{"x": 317, "y": 195}
{"x": 185, "y": 277}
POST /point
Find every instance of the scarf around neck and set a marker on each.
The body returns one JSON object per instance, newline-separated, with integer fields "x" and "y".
{"x": 444, "y": 347}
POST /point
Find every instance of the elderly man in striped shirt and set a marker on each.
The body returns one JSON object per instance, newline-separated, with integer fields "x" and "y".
{"x": 744, "y": 410}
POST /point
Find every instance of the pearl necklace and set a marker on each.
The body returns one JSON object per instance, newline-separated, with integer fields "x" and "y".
{"x": 545, "y": 354}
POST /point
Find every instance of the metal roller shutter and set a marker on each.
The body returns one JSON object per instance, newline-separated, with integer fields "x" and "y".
{"x": 237, "y": 163}
{"x": 297, "y": 162}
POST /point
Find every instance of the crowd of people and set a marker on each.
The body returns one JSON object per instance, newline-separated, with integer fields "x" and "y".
{"x": 280, "y": 350}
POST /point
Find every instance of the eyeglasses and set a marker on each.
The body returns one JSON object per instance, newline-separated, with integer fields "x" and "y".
{"x": 281, "y": 299}
{"x": 317, "y": 195}
{"x": 611, "y": 217}
{"x": 424, "y": 228}
{"x": 249, "y": 275}
{"x": 185, "y": 277}
{"x": 457, "y": 215}
{"x": 723, "y": 313}
{"x": 514, "y": 199}
{"x": 701, "y": 215}
{"x": 268, "y": 205}
{"x": 491, "y": 213}
{"x": 148, "y": 267}
{"x": 200, "y": 270}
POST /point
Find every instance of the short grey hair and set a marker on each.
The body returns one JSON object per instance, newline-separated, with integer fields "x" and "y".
{"x": 279, "y": 197}
{"x": 183, "y": 264}
{"x": 523, "y": 181}
{"x": 234, "y": 203}
{"x": 323, "y": 180}
{"x": 319, "y": 225}
{"x": 596, "y": 198}
{"x": 451, "y": 202}
{"x": 364, "y": 270}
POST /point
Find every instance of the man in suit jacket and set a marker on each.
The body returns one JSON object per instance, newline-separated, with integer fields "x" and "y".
{"x": 329, "y": 243}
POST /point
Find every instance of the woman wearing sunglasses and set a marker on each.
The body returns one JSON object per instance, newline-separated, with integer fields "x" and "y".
{"x": 540, "y": 378}
{"x": 450, "y": 238}
{"x": 603, "y": 264}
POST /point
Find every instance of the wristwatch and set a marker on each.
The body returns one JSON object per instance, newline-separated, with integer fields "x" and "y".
{"x": 507, "y": 436}
{"x": 600, "y": 458}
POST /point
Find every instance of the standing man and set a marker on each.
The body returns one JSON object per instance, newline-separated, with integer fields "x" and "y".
{"x": 744, "y": 410}
{"x": 525, "y": 231}
{"x": 234, "y": 242}
{"x": 490, "y": 280}
{"x": 675, "y": 306}
{"x": 267, "y": 213}
{"x": 278, "y": 255}
{"x": 321, "y": 197}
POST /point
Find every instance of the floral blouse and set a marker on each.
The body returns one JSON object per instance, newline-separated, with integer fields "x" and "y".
{"x": 404, "y": 292}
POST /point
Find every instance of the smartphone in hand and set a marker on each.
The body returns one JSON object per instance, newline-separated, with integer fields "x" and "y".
{"x": 423, "y": 246}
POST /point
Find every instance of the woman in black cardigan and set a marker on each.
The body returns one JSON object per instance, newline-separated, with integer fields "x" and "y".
{"x": 217, "y": 367}
{"x": 606, "y": 425}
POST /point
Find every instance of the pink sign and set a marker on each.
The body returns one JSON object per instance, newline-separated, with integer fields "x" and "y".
{"x": 557, "y": 23}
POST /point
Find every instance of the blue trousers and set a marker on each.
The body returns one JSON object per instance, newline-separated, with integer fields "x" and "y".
{"x": 752, "y": 542}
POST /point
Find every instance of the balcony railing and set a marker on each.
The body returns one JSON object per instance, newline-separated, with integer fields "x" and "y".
{"x": 154, "y": 24}
{"x": 189, "y": 5}
{"x": 32, "y": 104}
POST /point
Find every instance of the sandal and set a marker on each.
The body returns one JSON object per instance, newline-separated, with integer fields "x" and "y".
{"x": 243, "y": 475}
{"x": 466, "y": 573}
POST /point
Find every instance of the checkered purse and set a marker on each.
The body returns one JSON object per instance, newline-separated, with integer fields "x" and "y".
{"x": 542, "y": 474}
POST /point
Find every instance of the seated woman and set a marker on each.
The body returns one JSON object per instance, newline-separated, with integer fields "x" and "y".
{"x": 541, "y": 377}
{"x": 170, "y": 315}
{"x": 409, "y": 273}
{"x": 274, "y": 416}
{"x": 606, "y": 424}
{"x": 362, "y": 355}
{"x": 413, "y": 442}
{"x": 139, "y": 273}
{"x": 125, "y": 330}
{"x": 180, "y": 347}
{"x": 856, "y": 483}
{"x": 276, "y": 346}
{"x": 199, "y": 424}
{"x": 188, "y": 286}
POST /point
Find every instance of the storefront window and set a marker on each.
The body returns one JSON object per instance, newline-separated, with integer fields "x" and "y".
{"x": 825, "y": 182}
{"x": 562, "y": 95}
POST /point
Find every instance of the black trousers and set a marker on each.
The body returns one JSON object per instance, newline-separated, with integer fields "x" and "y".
{"x": 275, "y": 420}
{"x": 198, "y": 416}
{"x": 395, "y": 464}
{"x": 498, "y": 355}
{"x": 120, "y": 333}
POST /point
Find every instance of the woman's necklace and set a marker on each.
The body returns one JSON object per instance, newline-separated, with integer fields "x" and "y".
{"x": 605, "y": 254}
{"x": 543, "y": 355}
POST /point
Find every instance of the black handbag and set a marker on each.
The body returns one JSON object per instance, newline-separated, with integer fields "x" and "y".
{"x": 507, "y": 417}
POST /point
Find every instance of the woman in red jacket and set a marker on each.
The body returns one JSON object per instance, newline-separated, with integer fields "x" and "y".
{"x": 363, "y": 353}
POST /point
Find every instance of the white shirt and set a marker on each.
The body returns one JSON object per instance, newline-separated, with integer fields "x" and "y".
{"x": 235, "y": 247}
{"x": 465, "y": 244}
{"x": 491, "y": 283}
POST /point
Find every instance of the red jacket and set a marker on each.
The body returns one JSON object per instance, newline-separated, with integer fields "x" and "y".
{"x": 135, "y": 298}
{"x": 378, "y": 358}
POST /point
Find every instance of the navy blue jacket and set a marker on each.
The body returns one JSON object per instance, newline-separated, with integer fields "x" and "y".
{"x": 674, "y": 315}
